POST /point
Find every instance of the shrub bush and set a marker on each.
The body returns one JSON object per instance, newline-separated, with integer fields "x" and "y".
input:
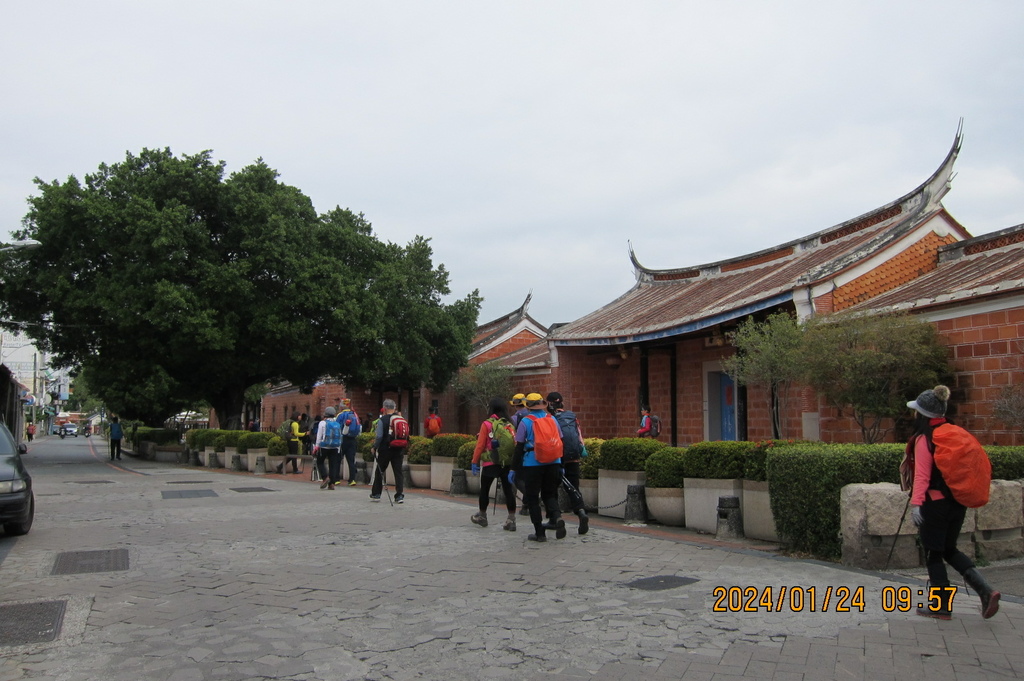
{"x": 249, "y": 441}
{"x": 666, "y": 467}
{"x": 1007, "y": 462}
{"x": 364, "y": 446}
{"x": 448, "y": 444}
{"x": 202, "y": 437}
{"x": 419, "y": 450}
{"x": 592, "y": 461}
{"x": 276, "y": 446}
{"x": 718, "y": 459}
{"x": 464, "y": 457}
{"x": 227, "y": 438}
{"x": 158, "y": 436}
{"x": 628, "y": 453}
{"x": 804, "y": 483}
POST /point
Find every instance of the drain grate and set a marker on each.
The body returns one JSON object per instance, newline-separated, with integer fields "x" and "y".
{"x": 82, "y": 562}
{"x": 91, "y": 482}
{"x": 190, "y": 482}
{"x": 23, "y": 623}
{"x": 188, "y": 493}
{"x": 661, "y": 582}
{"x": 252, "y": 489}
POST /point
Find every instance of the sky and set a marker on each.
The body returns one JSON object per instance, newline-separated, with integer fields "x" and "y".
{"x": 534, "y": 141}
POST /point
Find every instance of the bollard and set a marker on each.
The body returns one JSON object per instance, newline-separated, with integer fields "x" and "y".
{"x": 361, "y": 471}
{"x": 193, "y": 457}
{"x": 213, "y": 460}
{"x": 459, "y": 487}
{"x": 636, "y": 505}
{"x": 236, "y": 462}
{"x": 261, "y": 466}
{"x": 730, "y": 518}
{"x": 406, "y": 475}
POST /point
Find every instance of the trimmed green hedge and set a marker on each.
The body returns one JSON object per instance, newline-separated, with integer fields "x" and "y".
{"x": 592, "y": 461}
{"x": 464, "y": 457}
{"x": 159, "y": 436}
{"x": 364, "y": 445}
{"x": 250, "y": 440}
{"x": 227, "y": 438}
{"x": 718, "y": 459}
{"x": 666, "y": 467}
{"x": 628, "y": 453}
{"x": 419, "y": 450}
{"x": 201, "y": 438}
{"x": 448, "y": 444}
{"x": 1007, "y": 462}
{"x": 804, "y": 483}
{"x": 276, "y": 446}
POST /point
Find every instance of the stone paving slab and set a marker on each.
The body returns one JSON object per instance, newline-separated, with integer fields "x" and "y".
{"x": 311, "y": 584}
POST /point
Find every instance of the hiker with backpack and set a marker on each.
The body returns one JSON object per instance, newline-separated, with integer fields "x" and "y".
{"x": 390, "y": 440}
{"x": 538, "y": 462}
{"x": 291, "y": 434}
{"x": 572, "y": 456}
{"x": 328, "y": 446}
{"x": 432, "y": 424}
{"x": 650, "y": 425}
{"x": 947, "y": 471}
{"x": 492, "y": 460}
{"x": 350, "y": 429}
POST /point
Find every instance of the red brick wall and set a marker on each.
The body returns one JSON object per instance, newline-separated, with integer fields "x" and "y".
{"x": 516, "y": 342}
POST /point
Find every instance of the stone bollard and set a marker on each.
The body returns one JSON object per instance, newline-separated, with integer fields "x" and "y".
{"x": 636, "y": 505}
{"x": 406, "y": 475}
{"x": 459, "y": 487}
{"x": 362, "y": 469}
{"x": 261, "y": 465}
{"x": 236, "y": 462}
{"x": 193, "y": 458}
{"x": 730, "y": 519}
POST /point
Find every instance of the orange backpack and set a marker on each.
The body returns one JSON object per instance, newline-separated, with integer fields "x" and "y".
{"x": 547, "y": 439}
{"x": 963, "y": 463}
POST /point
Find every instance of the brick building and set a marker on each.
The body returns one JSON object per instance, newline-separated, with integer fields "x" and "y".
{"x": 662, "y": 342}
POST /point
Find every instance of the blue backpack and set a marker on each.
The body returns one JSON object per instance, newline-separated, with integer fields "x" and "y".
{"x": 351, "y": 427}
{"x": 332, "y": 434}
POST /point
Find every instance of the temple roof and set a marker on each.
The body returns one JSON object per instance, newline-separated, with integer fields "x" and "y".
{"x": 672, "y": 302}
{"x": 494, "y": 332}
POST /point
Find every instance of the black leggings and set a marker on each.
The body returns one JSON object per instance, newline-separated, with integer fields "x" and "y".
{"x": 943, "y": 519}
{"x": 487, "y": 476}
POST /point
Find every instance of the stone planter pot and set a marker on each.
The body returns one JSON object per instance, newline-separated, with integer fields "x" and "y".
{"x": 441, "y": 468}
{"x": 611, "y": 489}
{"x": 420, "y": 474}
{"x": 701, "y": 501}
{"x": 588, "y": 488}
{"x": 473, "y": 483}
{"x": 758, "y": 521}
{"x": 250, "y": 459}
{"x": 666, "y": 505}
{"x": 230, "y": 452}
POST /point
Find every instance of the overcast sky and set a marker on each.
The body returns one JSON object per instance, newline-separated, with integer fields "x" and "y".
{"x": 532, "y": 140}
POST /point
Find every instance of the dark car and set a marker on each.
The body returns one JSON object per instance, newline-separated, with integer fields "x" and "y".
{"x": 17, "y": 503}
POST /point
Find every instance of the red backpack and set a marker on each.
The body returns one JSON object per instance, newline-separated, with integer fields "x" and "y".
{"x": 433, "y": 425}
{"x": 398, "y": 430}
{"x": 547, "y": 439}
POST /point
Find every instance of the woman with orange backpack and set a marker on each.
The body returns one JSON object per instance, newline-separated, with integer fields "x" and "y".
{"x": 949, "y": 469}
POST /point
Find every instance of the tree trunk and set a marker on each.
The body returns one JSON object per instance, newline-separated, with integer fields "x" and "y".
{"x": 228, "y": 406}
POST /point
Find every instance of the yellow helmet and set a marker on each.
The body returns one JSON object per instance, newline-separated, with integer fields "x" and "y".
{"x": 517, "y": 400}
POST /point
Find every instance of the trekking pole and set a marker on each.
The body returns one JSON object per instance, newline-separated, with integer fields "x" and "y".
{"x": 897, "y": 538}
{"x": 383, "y": 479}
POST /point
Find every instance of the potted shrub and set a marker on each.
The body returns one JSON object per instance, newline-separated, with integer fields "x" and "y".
{"x": 443, "y": 450}
{"x": 254, "y": 445}
{"x": 418, "y": 458}
{"x": 464, "y": 460}
{"x": 226, "y": 444}
{"x": 622, "y": 464}
{"x": 588, "y": 472}
{"x": 758, "y": 521}
{"x": 665, "y": 471}
{"x": 202, "y": 441}
{"x": 713, "y": 469}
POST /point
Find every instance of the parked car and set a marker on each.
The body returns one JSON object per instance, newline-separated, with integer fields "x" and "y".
{"x": 71, "y": 429}
{"x": 55, "y": 429}
{"x": 17, "y": 502}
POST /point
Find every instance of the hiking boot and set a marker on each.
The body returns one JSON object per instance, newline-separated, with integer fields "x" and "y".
{"x": 330, "y": 487}
{"x": 479, "y": 519}
{"x": 324, "y": 484}
{"x": 584, "y": 521}
{"x": 558, "y": 526}
{"x": 279, "y": 471}
{"x": 989, "y": 597}
{"x": 510, "y": 523}
{"x": 399, "y": 498}
{"x": 536, "y": 537}
{"x": 524, "y": 511}
{"x": 374, "y": 497}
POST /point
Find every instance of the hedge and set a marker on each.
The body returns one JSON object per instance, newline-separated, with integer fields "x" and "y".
{"x": 666, "y": 467}
{"x": 419, "y": 450}
{"x": 1007, "y": 462}
{"x": 276, "y": 446}
{"x": 804, "y": 483}
{"x": 592, "y": 461}
{"x": 448, "y": 444}
{"x": 628, "y": 453}
{"x": 249, "y": 441}
{"x": 718, "y": 459}
{"x": 159, "y": 436}
{"x": 227, "y": 438}
{"x": 464, "y": 457}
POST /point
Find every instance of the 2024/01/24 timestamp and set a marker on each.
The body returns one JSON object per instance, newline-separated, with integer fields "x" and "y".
{"x": 828, "y": 599}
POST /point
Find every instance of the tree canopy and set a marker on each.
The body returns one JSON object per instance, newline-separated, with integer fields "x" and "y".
{"x": 171, "y": 283}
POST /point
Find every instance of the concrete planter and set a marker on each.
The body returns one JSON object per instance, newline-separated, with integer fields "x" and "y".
{"x": 441, "y": 468}
{"x": 611, "y": 489}
{"x": 230, "y": 452}
{"x": 168, "y": 453}
{"x": 701, "y": 501}
{"x": 250, "y": 459}
{"x": 758, "y": 521}
{"x": 588, "y": 488}
{"x": 420, "y": 474}
{"x": 666, "y": 504}
{"x": 473, "y": 484}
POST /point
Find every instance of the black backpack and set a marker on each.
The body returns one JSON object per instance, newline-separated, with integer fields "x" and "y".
{"x": 572, "y": 446}
{"x": 655, "y": 425}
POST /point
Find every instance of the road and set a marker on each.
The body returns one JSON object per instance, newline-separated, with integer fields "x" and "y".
{"x": 166, "y": 572}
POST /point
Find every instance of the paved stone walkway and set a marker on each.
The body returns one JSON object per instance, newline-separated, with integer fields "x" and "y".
{"x": 300, "y": 583}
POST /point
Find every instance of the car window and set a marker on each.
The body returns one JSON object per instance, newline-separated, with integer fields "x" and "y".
{"x": 7, "y": 444}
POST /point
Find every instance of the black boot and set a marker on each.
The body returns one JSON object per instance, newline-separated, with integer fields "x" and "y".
{"x": 989, "y": 598}
{"x": 938, "y": 602}
{"x": 584, "y": 521}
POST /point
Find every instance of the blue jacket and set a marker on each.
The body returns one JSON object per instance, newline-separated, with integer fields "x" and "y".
{"x": 524, "y": 434}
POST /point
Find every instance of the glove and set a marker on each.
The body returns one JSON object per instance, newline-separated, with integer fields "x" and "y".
{"x": 511, "y": 477}
{"x": 476, "y": 469}
{"x": 916, "y": 516}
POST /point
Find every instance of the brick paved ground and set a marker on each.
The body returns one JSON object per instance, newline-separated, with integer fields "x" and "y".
{"x": 299, "y": 583}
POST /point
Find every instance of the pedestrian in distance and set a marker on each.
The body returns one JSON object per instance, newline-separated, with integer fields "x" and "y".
{"x": 390, "y": 439}
{"x": 116, "y": 435}
{"x": 294, "y": 436}
{"x": 328, "y": 446}
{"x": 492, "y": 460}
{"x": 30, "y": 431}
{"x": 940, "y": 495}
{"x": 646, "y": 424}
{"x": 350, "y": 429}
{"x": 572, "y": 455}
{"x": 538, "y": 461}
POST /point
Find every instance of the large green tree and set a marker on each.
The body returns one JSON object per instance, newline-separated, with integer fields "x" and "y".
{"x": 171, "y": 283}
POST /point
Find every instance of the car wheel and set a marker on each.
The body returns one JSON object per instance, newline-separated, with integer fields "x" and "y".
{"x": 20, "y": 528}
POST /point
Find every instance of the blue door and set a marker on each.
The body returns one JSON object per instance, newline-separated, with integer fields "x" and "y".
{"x": 727, "y": 395}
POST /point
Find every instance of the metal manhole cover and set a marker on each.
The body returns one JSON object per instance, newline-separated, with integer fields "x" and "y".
{"x": 187, "y": 493}
{"x": 23, "y": 623}
{"x": 82, "y": 562}
{"x": 190, "y": 482}
{"x": 91, "y": 482}
{"x": 661, "y": 582}
{"x": 251, "y": 489}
